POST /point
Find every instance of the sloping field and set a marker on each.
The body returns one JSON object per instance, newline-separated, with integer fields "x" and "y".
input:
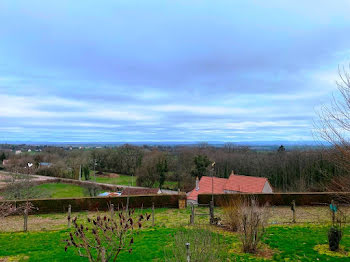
{"x": 282, "y": 242}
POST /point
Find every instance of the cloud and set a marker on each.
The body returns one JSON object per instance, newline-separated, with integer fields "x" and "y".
{"x": 167, "y": 71}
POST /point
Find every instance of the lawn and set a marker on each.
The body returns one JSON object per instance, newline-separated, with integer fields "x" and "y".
{"x": 295, "y": 243}
{"x": 129, "y": 180}
{"x": 60, "y": 190}
{"x": 285, "y": 242}
{"x": 120, "y": 180}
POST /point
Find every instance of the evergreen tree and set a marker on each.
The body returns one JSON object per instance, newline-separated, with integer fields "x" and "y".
{"x": 281, "y": 149}
{"x": 162, "y": 168}
{"x": 2, "y": 156}
{"x": 201, "y": 163}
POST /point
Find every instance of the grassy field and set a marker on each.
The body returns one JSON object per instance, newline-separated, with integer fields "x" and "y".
{"x": 120, "y": 180}
{"x": 296, "y": 243}
{"x": 306, "y": 241}
{"x": 55, "y": 190}
{"x": 60, "y": 190}
{"x": 128, "y": 180}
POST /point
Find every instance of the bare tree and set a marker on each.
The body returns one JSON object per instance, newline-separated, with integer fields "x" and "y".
{"x": 333, "y": 126}
{"x": 105, "y": 237}
{"x": 9, "y": 209}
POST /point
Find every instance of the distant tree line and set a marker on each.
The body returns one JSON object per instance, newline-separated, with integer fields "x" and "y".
{"x": 303, "y": 169}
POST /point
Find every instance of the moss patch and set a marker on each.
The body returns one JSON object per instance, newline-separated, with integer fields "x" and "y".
{"x": 324, "y": 250}
{"x": 14, "y": 258}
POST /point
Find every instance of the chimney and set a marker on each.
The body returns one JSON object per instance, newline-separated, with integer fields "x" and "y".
{"x": 197, "y": 183}
{"x": 232, "y": 173}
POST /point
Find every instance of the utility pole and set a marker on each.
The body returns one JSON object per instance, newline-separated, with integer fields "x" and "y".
{"x": 212, "y": 181}
{"x": 80, "y": 173}
{"x": 95, "y": 164}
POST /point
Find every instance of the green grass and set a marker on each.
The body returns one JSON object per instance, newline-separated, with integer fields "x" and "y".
{"x": 121, "y": 180}
{"x": 283, "y": 242}
{"x": 60, "y": 190}
{"x": 295, "y": 243}
{"x": 129, "y": 180}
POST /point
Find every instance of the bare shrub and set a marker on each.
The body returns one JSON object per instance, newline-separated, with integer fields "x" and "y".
{"x": 105, "y": 237}
{"x": 92, "y": 190}
{"x": 204, "y": 246}
{"x": 7, "y": 209}
{"x": 231, "y": 213}
{"x": 253, "y": 222}
{"x": 20, "y": 186}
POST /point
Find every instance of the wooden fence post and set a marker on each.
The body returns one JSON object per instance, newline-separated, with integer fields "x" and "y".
{"x": 293, "y": 209}
{"x": 152, "y": 214}
{"x": 127, "y": 204}
{"x": 192, "y": 215}
{"x": 112, "y": 210}
{"x": 25, "y": 217}
{"x": 69, "y": 214}
{"x": 211, "y": 212}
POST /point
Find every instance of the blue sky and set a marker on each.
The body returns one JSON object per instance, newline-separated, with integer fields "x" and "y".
{"x": 168, "y": 70}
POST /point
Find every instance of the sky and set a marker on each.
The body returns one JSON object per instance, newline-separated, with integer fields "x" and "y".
{"x": 126, "y": 71}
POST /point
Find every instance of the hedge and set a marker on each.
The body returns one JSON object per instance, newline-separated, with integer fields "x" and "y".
{"x": 101, "y": 203}
{"x": 280, "y": 199}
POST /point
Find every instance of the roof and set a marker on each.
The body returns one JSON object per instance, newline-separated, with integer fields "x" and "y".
{"x": 205, "y": 186}
{"x": 244, "y": 184}
{"x": 140, "y": 191}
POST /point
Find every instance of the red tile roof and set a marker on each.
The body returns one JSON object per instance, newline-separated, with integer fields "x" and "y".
{"x": 244, "y": 184}
{"x": 205, "y": 186}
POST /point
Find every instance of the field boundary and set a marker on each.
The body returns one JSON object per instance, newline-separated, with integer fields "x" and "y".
{"x": 281, "y": 199}
{"x": 101, "y": 203}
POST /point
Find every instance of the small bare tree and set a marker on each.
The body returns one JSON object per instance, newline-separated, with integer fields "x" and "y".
{"x": 105, "y": 237}
{"x": 8, "y": 209}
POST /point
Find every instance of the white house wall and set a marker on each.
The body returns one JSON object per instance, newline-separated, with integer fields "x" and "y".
{"x": 267, "y": 188}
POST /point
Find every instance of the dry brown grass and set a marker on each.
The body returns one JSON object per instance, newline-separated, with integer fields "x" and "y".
{"x": 305, "y": 214}
{"x": 171, "y": 218}
{"x": 231, "y": 213}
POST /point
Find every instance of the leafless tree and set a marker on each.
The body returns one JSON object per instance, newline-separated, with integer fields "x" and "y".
{"x": 8, "y": 209}
{"x": 105, "y": 237}
{"x": 333, "y": 126}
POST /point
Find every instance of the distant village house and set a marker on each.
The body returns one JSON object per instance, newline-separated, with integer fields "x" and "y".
{"x": 5, "y": 162}
{"x": 233, "y": 184}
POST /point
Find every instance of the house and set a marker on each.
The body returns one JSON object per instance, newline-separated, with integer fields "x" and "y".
{"x": 5, "y": 162}
{"x": 233, "y": 184}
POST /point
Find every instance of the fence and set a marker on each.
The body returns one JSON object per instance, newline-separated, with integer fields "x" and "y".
{"x": 291, "y": 207}
{"x": 102, "y": 203}
{"x": 280, "y": 199}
